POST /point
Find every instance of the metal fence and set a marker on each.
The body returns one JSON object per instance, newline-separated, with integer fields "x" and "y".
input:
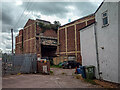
{"x": 24, "y": 63}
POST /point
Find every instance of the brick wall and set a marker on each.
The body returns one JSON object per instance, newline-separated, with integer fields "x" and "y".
{"x": 72, "y": 47}
{"x": 50, "y": 33}
{"x": 71, "y": 38}
{"x": 19, "y": 43}
{"x": 31, "y": 38}
{"x": 62, "y": 40}
{"x": 30, "y": 21}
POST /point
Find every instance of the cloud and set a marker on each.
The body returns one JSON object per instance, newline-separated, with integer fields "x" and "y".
{"x": 51, "y": 11}
{"x": 10, "y": 15}
{"x": 6, "y": 42}
{"x": 60, "y": 9}
{"x": 8, "y": 46}
{"x": 12, "y": 12}
{"x": 48, "y": 8}
{"x": 7, "y": 14}
{"x": 84, "y": 8}
{"x": 6, "y": 37}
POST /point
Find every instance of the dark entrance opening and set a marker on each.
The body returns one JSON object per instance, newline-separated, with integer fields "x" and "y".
{"x": 48, "y": 51}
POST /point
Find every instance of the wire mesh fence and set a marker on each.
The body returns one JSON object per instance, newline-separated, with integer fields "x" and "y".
{"x": 23, "y": 63}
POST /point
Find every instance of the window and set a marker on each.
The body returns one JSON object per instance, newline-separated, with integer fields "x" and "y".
{"x": 105, "y": 18}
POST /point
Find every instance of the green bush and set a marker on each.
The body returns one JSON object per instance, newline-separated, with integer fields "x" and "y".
{"x": 51, "y": 72}
{"x": 55, "y": 66}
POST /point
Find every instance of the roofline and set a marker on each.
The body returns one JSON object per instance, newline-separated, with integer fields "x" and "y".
{"x": 42, "y": 20}
{"x": 87, "y": 26}
{"x": 27, "y": 21}
{"x": 78, "y": 19}
{"x": 99, "y": 7}
{"x": 36, "y": 21}
{"x": 20, "y": 29}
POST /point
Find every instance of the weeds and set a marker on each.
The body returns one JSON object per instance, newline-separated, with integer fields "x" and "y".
{"x": 51, "y": 72}
{"x": 90, "y": 81}
{"x": 63, "y": 73}
{"x": 79, "y": 77}
{"x": 56, "y": 66}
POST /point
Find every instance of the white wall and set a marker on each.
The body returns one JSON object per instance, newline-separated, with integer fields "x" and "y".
{"x": 119, "y": 43}
{"x": 88, "y": 47}
{"x": 108, "y": 38}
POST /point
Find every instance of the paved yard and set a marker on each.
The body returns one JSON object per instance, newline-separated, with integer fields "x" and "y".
{"x": 62, "y": 78}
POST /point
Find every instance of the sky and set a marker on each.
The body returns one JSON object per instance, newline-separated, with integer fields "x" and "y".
{"x": 16, "y": 13}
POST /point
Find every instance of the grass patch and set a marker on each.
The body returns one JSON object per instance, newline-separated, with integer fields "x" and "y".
{"x": 51, "y": 72}
{"x": 90, "y": 81}
{"x": 56, "y": 66}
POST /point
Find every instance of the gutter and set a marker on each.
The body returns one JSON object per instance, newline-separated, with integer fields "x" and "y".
{"x": 96, "y": 43}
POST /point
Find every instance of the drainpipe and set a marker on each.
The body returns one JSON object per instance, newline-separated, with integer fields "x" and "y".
{"x": 98, "y": 66}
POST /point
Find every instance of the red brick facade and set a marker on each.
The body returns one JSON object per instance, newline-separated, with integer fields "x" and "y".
{"x": 69, "y": 37}
{"x": 62, "y": 40}
{"x": 50, "y": 33}
{"x": 19, "y": 43}
{"x": 29, "y": 39}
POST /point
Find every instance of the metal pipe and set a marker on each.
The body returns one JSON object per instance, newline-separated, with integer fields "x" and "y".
{"x": 96, "y": 42}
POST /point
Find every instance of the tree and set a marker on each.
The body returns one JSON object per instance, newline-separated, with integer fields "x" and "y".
{"x": 49, "y": 26}
{"x": 56, "y": 25}
{"x": 41, "y": 25}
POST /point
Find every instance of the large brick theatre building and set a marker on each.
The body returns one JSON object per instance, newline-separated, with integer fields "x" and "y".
{"x": 33, "y": 39}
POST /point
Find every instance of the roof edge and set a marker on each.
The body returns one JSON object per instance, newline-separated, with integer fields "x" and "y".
{"x": 99, "y": 7}
{"x": 42, "y": 20}
{"x": 78, "y": 19}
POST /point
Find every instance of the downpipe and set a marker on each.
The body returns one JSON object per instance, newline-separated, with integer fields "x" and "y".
{"x": 96, "y": 44}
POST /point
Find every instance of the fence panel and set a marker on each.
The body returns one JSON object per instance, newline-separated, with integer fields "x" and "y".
{"x": 24, "y": 63}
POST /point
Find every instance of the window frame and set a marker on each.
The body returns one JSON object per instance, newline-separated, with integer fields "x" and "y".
{"x": 103, "y": 17}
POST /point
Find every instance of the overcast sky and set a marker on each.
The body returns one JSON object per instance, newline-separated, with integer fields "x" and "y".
{"x": 15, "y": 15}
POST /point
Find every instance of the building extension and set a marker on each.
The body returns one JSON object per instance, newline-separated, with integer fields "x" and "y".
{"x": 100, "y": 42}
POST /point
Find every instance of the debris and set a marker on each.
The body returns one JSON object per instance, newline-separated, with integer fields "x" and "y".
{"x": 63, "y": 73}
{"x": 79, "y": 76}
{"x": 18, "y": 73}
{"x": 106, "y": 84}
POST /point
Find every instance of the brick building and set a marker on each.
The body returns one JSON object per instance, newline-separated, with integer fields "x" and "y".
{"x": 69, "y": 37}
{"x": 32, "y": 39}
{"x": 19, "y": 42}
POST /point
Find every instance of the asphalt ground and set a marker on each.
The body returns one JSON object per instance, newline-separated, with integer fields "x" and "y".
{"x": 61, "y": 78}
